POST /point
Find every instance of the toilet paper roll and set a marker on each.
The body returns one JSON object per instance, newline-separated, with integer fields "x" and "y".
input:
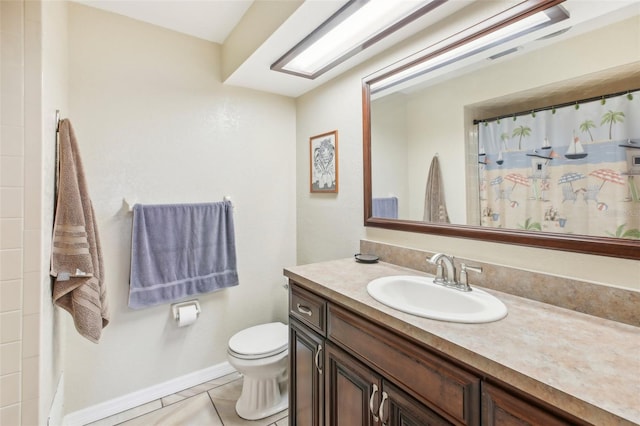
{"x": 187, "y": 315}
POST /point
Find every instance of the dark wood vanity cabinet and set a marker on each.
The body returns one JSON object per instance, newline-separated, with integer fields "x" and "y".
{"x": 307, "y": 331}
{"x": 427, "y": 386}
{"x": 348, "y": 371}
{"x": 356, "y": 395}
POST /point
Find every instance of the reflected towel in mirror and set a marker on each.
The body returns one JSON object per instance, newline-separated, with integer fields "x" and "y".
{"x": 385, "y": 207}
{"x": 435, "y": 207}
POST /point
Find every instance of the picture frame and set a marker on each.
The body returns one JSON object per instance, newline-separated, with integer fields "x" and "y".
{"x": 323, "y": 162}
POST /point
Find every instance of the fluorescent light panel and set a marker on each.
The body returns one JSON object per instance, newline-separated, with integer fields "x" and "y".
{"x": 357, "y": 25}
{"x": 476, "y": 45}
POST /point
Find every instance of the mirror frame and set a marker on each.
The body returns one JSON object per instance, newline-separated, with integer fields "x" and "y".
{"x": 586, "y": 244}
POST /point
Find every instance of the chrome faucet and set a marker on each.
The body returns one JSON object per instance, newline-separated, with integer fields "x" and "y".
{"x": 438, "y": 259}
{"x": 449, "y": 280}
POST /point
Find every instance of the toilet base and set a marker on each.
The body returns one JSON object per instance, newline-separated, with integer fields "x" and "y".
{"x": 262, "y": 398}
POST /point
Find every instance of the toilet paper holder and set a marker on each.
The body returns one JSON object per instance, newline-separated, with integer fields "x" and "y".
{"x": 176, "y": 308}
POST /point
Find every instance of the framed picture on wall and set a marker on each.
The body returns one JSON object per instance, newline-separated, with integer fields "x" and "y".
{"x": 323, "y": 151}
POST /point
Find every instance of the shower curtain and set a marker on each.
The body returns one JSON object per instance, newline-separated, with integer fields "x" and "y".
{"x": 574, "y": 169}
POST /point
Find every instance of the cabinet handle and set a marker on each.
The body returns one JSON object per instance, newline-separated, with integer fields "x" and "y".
{"x": 317, "y": 358}
{"x": 304, "y": 310}
{"x": 371, "y": 408}
{"x": 381, "y": 410}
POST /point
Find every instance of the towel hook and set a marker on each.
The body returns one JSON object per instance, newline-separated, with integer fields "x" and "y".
{"x": 228, "y": 198}
{"x": 128, "y": 204}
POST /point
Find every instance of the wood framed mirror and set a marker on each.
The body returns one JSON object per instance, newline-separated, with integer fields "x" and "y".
{"x": 555, "y": 71}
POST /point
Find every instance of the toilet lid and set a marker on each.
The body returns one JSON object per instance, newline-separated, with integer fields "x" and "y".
{"x": 264, "y": 339}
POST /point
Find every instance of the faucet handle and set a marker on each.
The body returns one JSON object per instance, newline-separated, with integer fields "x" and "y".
{"x": 464, "y": 280}
{"x": 466, "y": 267}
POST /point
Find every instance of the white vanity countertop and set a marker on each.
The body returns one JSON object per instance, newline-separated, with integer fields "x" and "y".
{"x": 585, "y": 365}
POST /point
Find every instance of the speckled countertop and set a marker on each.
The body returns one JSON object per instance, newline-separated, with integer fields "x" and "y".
{"x": 585, "y": 365}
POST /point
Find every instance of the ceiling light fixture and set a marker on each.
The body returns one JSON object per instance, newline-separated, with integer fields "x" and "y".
{"x": 354, "y": 27}
{"x": 493, "y": 32}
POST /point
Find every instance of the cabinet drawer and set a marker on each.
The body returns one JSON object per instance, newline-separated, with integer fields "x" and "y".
{"x": 307, "y": 307}
{"x": 502, "y": 408}
{"x": 435, "y": 382}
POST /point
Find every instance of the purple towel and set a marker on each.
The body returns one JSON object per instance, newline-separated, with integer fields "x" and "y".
{"x": 180, "y": 250}
{"x": 385, "y": 207}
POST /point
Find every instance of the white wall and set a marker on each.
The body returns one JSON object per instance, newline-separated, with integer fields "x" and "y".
{"x": 155, "y": 125}
{"x": 337, "y": 104}
{"x": 329, "y": 226}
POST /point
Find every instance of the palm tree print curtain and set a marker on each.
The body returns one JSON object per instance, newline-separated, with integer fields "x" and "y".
{"x": 574, "y": 169}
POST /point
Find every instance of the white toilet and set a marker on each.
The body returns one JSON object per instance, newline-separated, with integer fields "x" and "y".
{"x": 260, "y": 354}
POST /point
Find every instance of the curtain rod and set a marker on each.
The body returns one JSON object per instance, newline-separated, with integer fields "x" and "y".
{"x": 561, "y": 105}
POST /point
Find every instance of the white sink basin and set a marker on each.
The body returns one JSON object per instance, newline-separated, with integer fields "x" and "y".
{"x": 421, "y": 296}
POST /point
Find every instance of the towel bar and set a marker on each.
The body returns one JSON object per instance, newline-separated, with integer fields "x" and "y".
{"x": 130, "y": 204}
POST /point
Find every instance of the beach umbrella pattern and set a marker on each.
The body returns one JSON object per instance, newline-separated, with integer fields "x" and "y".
{"x": 517, "y": 179}
{"x": 608, "y": 175}
{"x": 570, "y": 178}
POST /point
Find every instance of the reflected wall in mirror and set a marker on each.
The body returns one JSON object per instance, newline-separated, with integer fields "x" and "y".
{"x": 501, "y": 188}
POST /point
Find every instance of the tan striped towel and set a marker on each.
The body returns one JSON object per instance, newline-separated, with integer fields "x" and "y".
{"x": 435, "y": 208}
{"x": 76, "y": 257}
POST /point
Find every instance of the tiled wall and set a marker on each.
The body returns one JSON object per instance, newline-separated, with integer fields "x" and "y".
{"x": 20, "y": 213}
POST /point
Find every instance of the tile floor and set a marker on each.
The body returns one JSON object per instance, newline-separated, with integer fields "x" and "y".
{"x": 208, "y": 404}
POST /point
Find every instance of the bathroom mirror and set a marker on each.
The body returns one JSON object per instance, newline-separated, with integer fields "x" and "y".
{"x": 443, "y": 102}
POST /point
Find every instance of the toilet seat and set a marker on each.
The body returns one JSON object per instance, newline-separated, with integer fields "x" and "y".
{"x": 260, "y": 341}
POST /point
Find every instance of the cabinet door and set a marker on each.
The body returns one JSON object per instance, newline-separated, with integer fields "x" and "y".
{"x": 306, "y": 387}
{"x": 352, "y": 394}
{"x": 504, "y": 409}
{"x": 432, "y": 380}
{"x": 400, "y": 409}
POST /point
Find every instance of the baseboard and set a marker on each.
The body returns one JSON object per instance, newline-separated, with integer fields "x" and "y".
{"x": 143, "y": 396}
